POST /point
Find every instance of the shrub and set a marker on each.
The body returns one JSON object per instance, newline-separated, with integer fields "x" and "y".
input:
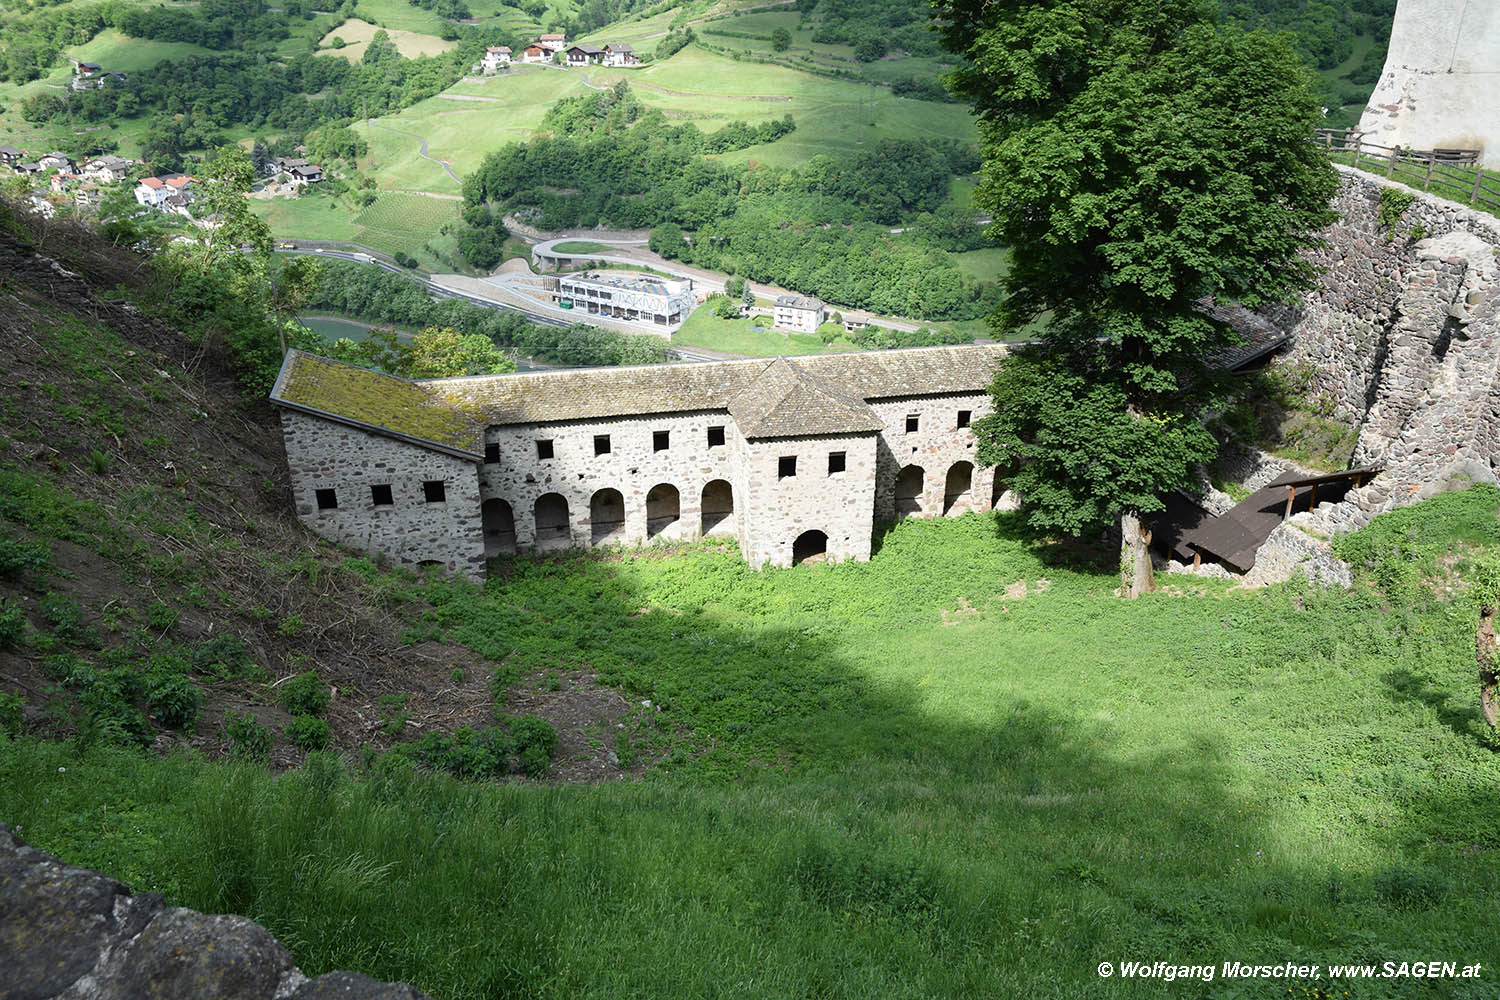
{"x": 535, "y": 743}
{"x": 64, "y": 617}
{"x": 248, "y": 739}
{"x": 161, "y": 618}
{"x": 225, "y": 657}
{"x": 12, "y": 714}
{"x": 393, "y": 713}
{"x": 17, "y": 557}
{"x": 173, "y": 700}
{"x": 1393, "y": 205}
{"x": 12, "y": 625}
{"x": 308, "y": 732}
{"x": 305, "y": 694}
{"x": 468, "y": 753}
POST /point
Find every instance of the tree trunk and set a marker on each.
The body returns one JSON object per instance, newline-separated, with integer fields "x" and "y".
{"x": 1484, "y": 654}
{"x": 1136, "y": 577}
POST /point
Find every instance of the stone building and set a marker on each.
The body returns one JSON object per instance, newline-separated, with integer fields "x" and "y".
{"x": 794, "y": 312}
{"x": 793, "y": 458}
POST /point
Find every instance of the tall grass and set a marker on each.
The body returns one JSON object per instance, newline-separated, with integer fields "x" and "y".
{"x": 903, "y": 778}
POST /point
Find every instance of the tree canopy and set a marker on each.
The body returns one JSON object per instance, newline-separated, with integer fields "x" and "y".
{"x": 1139, "y": 159}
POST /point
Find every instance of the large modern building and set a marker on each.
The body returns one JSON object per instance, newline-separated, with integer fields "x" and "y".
{"x": 627, "y": 295}
{"x": 794, "y": 312}
{"x": 795, "y": 459}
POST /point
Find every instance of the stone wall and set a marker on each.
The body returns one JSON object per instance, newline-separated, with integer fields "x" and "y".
{"x": 779, "y": 509}
{"x": 935, "y": 447}
{"x": 73, "y": 934}
{"x": 1403, "y": 337}
{"x": 322, "y": 454}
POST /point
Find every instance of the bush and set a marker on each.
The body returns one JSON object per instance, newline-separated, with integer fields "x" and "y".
{"x": 248, "y": 739}
{"x": 468, "y": 753}
{"x": 12, "y": 714}
{"x": 308, "y": 733}
{"x": 64, "y": 617}
{"x": 225, "y": 657}
{"x": 305, "y": 694}
{"x": 173, "y": 700}
{"x": 18, "y": 557}
{"x": 535, "y": 743}
{"x": 12, "y": 625}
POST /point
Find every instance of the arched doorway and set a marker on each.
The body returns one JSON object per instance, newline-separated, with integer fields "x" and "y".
{"x": 957, "y": 488}
{"x": 663, "y": 507}
{"x": 909, "y": 482}
{"x": 499, "y": 528}
{"x": 607, "y": 516}
{"x": 810, "y": 546}
{"x": 718, "y": 508}
{"x": 552, "y": 531}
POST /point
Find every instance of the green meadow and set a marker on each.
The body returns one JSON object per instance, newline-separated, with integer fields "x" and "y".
{"x": 752, "y": 336}
{"x": 964, "y": 768}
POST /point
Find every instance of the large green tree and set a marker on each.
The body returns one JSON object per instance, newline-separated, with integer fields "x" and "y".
{"x": 1140, "y": 160}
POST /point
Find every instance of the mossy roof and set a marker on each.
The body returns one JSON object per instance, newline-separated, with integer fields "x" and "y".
{"x": 382, "y": 402}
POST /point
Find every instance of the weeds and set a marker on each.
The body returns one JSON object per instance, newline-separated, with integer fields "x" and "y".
{"x": 248, "y": 739}
{"x": 305, "y": 694}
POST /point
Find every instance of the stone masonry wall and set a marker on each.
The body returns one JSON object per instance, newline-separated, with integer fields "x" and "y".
{"x": 937, "y": 445}
{"x": 322, "y": 454}
{"x": 1404, "y": 336}
{"x": 779, "y": 509}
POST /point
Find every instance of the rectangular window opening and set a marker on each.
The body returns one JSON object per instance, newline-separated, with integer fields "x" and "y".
{"x": 786, "y": 466}
{"x": 491, "y": 454}
{"x": 601, "y": 444}
{"x": 835, "y": 462}
{"x": 434, "y": 491}
{"x": 380, "y": 495}
{"x": 327, "y": 499}
{"x": 544, "y": 449}
{"x": 660, "y": 440}
{"x": 912, "y": 420}
{"x": 715, "y": 437}
{"x": 963, "y": 417}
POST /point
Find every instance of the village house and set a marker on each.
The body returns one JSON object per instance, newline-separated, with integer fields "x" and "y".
{"x": 10, "y": 155}
{"x": 536, "y": 53}
{"x": 170, "y": 192}
{"x": 298, "y": 170}
{"x": 107, "y": 169}
{"x": 63, "y": 181}
{"x": 56, "y": 161}
{"x": 583, "y": 55}
{"x": 620, "y": 54}
{"x": 496, "y": 57}
{"x": 27, "y": 168}
{"x": 796, "y": 459}
{"x": 796, "y": 313}
{"x": 91, "y": 76}
{"x": 553, "y": 43}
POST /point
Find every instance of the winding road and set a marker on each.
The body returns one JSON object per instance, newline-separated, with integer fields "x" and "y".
{"x": 421, "y": 150}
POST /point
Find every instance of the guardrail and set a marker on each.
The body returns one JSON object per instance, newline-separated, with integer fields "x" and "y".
{"x": 1454, "y": 172}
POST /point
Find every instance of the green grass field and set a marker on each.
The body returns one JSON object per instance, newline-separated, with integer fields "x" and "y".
{"x": 752, "y": 336}
{"x": 989, "y": 264}
{"x": 962, "y": 769}
{"x": 358, "y": 34}
{"x": 121, "y": 53}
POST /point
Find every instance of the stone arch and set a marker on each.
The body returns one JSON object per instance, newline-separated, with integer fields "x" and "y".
{"x": 718, "y": 508}
{"x": 499, "y": 528}
{"x": 663, "y": 508}
{"x": 607, "y": 516}
{"x": 552, "y": 528}
{"x": 810, "y": 546}
{"x": 957, "y": 488}
{"x": 909, "y": 485}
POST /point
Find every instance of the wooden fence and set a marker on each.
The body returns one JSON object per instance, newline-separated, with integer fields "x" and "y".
{"x": 1451, "y": 173}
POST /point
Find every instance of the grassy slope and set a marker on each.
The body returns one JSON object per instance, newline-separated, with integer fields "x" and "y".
{"x": 358, "y": 35}
{"x": 900, "y": 779}
{"x": 752, "y": 336}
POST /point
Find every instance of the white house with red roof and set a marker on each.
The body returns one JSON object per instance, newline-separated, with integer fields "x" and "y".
{"x": 157, "y": 192}
{"x": 553, "y": 43}
{"x": 496, "y": 58}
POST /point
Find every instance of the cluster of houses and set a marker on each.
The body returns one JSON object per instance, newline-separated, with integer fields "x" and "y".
{"x": 82, "y": 181}
{"x": 92, "y": 76}
{"x": 168, "y": 193}
{"x": 546, "y": 48}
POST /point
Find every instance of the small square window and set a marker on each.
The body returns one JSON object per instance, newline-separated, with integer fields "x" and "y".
{"x": 963, "y": 417}
{"x": 715, "y": 437}
{"x": 786, "y": 466}
{"x": 327, "y": 499}
{"x": 380, "y": 495}
{"x": 660, "y": 440}
{"x": 912, "y": 419}
{"x": 434, "y": 491}
{"x": 544, "y": 449}
{"x": 835, "y": 462}
{"x": 492, "y": 454}
{"x": 601, "y": 444}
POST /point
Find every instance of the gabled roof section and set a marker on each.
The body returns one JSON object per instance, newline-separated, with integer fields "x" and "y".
{"x": 396, "y": 407}
{"x": 785, "y": 401}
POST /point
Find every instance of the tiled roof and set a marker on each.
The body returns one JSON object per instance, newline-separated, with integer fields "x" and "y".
{"x": 797, "y": 302}
{"x": 361, "y": 396}
{"x": 785, "y": 401}
{"x": 822, "y": 394}
{"x": 619, "y": 47}
{"x": 151, "y": 182}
